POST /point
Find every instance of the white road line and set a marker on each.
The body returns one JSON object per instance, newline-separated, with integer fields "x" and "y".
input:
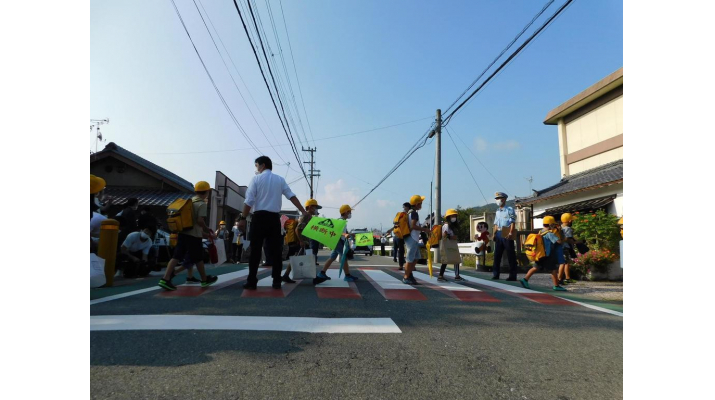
{"x": 455, "y": 287}
{"x": 211, "y": 322}
{"x": 123, "y": 295}
{"x": 221, "y": 278}
{"x": 597, "y": 308}
{"x": 496, "y": 285}
{"x": 336, "y": 281}
{"x": 268, "y": 281}
{"x": 385, "y": 280}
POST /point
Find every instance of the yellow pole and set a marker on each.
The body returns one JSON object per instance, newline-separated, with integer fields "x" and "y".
{"x": 108, "y": 236}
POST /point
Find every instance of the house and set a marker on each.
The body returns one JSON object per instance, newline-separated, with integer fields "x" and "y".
{"x": 590, "y": 132}
{"x": 229, "y": 198}
{"x": 128, "y": 175}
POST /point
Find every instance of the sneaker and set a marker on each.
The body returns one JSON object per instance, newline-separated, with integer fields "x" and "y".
{"x": 406, "y": 281}
{"x": 167, "y": 285}
{"x": 318, "y": 280}
{"x": 350, "y": 278}
{"x": 441, "y": 278}
{"x": 570, "y": 281}
{"x": 287, "y": 279}
{"x": 210, "y": 280}
{"x": 458, "y": 278}
{"x": 559, "y": 289}
{"x": 192, "y": 280}
{"x": 413, "y": 280}
{"x": 322, "y": 275}
{"x": 524, "y": 283}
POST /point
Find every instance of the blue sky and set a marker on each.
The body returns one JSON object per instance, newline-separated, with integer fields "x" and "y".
{"x": 361, "y": 65}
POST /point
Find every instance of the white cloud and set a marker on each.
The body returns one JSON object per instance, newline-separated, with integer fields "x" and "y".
{"x": 336, "y": 194}
{"x": 508, "y": 145}
{"x": 481, "y": 145}
{"x": 385, "y": 203}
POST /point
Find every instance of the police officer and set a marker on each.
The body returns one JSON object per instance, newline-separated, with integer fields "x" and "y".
{"x": 505, "y": 218}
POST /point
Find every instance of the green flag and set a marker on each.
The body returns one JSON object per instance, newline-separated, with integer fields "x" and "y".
{"x": 325, "y": 230}
{"x": 364, "y": 239}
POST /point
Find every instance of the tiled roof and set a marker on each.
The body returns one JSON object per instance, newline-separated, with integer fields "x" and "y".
{"x": 604, "y": 175}
{"x": 176, "y": 179}
{"x": 581, "y": 206}
{"x": 146, "y": 197}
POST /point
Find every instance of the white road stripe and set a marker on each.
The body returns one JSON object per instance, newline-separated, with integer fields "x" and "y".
{"x": 336, "y": 281}
{"x": 455, "y": 287}
{"x": 123, "y": 295}
{"x": 268, "y": 281}
{"x": 385, "y": 280}
{"x": 211, "y": 322}
{"x": 597, "y": 308}
{"x": 221, "y": 278}
{"x": 496, "y": 285}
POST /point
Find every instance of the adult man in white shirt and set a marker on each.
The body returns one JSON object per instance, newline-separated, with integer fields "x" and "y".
{"x": 264, "y": 197}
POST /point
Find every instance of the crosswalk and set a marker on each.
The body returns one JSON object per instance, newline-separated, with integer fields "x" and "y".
{"x": 387, "y": 282}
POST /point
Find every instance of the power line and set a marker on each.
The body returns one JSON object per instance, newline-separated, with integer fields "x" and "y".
{"x": 404, "y": 158}
{"x": 468, "y": 170}
{"x": 223, "y": 101}
{"x": 287, "y": 144}
{"x": 300, "y": 91}
{"x": 277, "y": 87}
{"x": 231, "y": 75}
{"x": 479, "y": 161}
{"x": 511, "y": 57}
{"x": 255, "y": 103}
{"x": 295, "y": 152}
{"x": 501, "y": 54}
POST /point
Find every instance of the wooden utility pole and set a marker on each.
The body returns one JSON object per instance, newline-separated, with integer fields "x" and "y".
{"x": 313, "y": 171}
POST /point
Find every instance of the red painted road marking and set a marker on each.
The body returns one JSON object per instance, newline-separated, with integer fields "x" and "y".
{"x": 389, "y": 287}
{"x": 337, "y": 288}
{"x": 461, "y": 292}
{"x": 265, "y": 289}
{"x": 194, "y": 290}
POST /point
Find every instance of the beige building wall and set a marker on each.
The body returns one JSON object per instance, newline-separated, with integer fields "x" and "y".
{"x": 596, "y": 126}
{"x": 595, "y": 161}
{"x": 587, "y": 133}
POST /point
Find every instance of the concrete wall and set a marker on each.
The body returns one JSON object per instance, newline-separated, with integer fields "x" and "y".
{"x": 591, "y": 134}
{"x": 596, "y": 126}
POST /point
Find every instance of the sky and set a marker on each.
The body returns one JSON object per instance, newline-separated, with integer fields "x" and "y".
{"x": 361, "y": 65}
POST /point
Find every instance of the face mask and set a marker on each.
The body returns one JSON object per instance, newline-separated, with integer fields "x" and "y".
{"x": 500, "y": 202}
{"x": 349, "y": 216}
{"x": 97, "y": 202}
{"x": 453, "y": 219}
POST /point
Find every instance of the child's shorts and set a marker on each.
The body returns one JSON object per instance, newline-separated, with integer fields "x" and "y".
{"x": 338, "y": 250}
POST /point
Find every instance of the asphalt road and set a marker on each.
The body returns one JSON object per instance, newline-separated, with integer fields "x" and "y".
{"x": 448, "y": 349}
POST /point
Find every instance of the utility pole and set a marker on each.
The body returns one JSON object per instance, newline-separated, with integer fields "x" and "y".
{"x": 313, "y": 171}
{"x": 438, "y": 173}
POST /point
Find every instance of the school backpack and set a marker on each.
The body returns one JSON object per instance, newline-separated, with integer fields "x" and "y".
{"x": 534, "y": 246}
{"x": 290, "y": 231}
{"x": 435, "y": 236}
{"x": 402, "y": 227}
{"x": 180, "y": 215}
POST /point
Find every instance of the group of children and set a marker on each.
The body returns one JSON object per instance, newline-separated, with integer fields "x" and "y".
{"x": 558, "y": 239}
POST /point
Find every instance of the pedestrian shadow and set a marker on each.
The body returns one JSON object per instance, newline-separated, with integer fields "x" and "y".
{"x": 178, "y": 348}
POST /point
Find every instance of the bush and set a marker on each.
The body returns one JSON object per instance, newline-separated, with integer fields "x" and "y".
{"x": 599, "y": 230}
{"x": 594, "y": 260}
